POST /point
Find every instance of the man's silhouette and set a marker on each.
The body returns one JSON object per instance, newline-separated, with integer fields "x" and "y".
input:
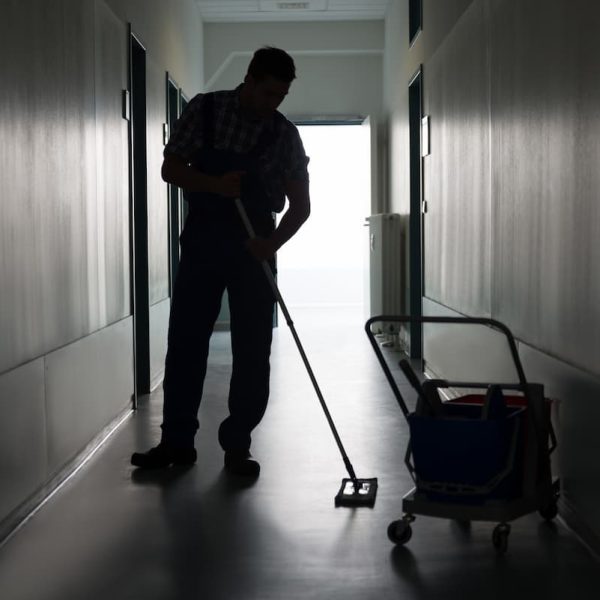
{"x": 226, "y": 145}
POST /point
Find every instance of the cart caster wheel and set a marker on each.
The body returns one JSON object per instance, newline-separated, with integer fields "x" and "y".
{"x": 500, "y": 538}
{"x": 549, "y": 512}
{"x": 399, "y": 532}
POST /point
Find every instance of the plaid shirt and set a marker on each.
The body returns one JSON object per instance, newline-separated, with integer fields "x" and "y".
{"x": 284, "y": 161}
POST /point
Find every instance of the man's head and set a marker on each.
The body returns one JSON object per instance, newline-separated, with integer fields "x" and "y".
{"x": 272, "y": 62}
{"x": 268, "y": 81}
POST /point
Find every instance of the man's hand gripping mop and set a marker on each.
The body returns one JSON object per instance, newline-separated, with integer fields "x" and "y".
{"x": 354, "y": 491}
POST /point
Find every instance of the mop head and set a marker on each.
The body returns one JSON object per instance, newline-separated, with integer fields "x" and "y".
{"x": 362, "y": 494}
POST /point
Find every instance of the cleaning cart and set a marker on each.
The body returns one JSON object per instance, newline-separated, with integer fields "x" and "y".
{"x": 482, "y": 454}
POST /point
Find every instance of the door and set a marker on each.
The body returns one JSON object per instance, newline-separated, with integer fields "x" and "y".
{"x": 183, "y": 205}
{"x": 139, "y": 216}
{"x": 174, "y": 193}
{"x": 326, "y": 264}
{"x": 415, "y": 94}
{"x": 369, "y": 142}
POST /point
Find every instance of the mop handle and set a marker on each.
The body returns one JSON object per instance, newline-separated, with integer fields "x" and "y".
{"x": 288, "y": 319}
{"x": 264, "y": 263}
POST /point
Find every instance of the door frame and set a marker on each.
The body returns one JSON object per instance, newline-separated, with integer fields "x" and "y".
{"x": 138, "y": 216}
{"x": 354, "y": 121}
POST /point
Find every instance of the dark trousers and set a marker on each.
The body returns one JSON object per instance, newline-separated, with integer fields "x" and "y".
{"x": 217, "y": 260}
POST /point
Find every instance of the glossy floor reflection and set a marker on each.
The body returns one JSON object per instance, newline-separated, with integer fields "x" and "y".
{"x": 197, "y": 533}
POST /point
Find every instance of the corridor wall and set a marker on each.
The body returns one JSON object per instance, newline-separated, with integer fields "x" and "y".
{"x": 511, "y": 186}
{"x": 66, "y": 350}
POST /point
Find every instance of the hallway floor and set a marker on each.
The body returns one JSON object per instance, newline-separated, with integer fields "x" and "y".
{"x": 114, "y": 533}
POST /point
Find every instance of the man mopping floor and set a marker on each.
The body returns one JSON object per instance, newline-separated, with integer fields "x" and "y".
{"x": 226, "y": 145}
{"x": 234, "y": 145}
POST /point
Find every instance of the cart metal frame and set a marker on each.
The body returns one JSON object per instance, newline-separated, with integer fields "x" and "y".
{"x": 539, "y": 491}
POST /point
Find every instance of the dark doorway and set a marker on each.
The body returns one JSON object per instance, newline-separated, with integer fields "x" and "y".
{"x": 175, "y": 217}
{"x": 415, "y": 94}
{"x": 139, "y": 216}
{"x": 415, "y": 19}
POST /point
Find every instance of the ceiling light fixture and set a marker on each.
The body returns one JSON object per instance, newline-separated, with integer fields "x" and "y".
{"x": 307, "y": 5}
{"x": 293, "y": 5}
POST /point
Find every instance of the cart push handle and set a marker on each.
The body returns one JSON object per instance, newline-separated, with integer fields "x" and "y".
{"x": 456, "y": 320}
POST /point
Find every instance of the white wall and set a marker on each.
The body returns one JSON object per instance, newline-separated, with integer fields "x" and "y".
{"x": 338, "y": 64}
{"x": 173, "y": 35}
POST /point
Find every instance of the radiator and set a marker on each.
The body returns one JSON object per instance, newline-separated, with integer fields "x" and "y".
{"x": 387, "y": 257}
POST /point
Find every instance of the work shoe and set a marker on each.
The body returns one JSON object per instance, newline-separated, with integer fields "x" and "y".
{"x": 241, "y": 463}
{"x": 163, "y": 456}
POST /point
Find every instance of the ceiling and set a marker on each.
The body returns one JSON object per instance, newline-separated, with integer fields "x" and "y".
{"x": 236, "y": 11}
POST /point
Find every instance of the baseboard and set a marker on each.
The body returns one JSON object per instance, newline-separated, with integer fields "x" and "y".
{"x": 11, "y": 524}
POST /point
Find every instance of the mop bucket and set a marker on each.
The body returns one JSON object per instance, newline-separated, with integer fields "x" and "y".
{"x": 459, "y": 457}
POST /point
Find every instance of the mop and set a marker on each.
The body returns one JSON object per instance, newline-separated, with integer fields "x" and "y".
{"x": 353, "y": 491}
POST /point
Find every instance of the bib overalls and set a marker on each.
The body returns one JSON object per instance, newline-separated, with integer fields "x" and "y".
{"x": 214, "y": 258}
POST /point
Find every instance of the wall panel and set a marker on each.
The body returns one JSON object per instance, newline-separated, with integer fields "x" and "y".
{"x": 578, "y": 413}
{"x": 20, "y": 318}
{"x": 159, "y": 327}
{"x": 23, "y": 459}
{"x": 63, "y": 166}
{"x": 465, "y": 352}
{"x": 457, "y": 173}
{"x": 108, "y": 226}
{"x": 64, "y": 250}
{"x": 42, "y": 206}
{"x": 158, "y": 213}
{"x": 546, "y": 123}
{"x": 88, "y": 383}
